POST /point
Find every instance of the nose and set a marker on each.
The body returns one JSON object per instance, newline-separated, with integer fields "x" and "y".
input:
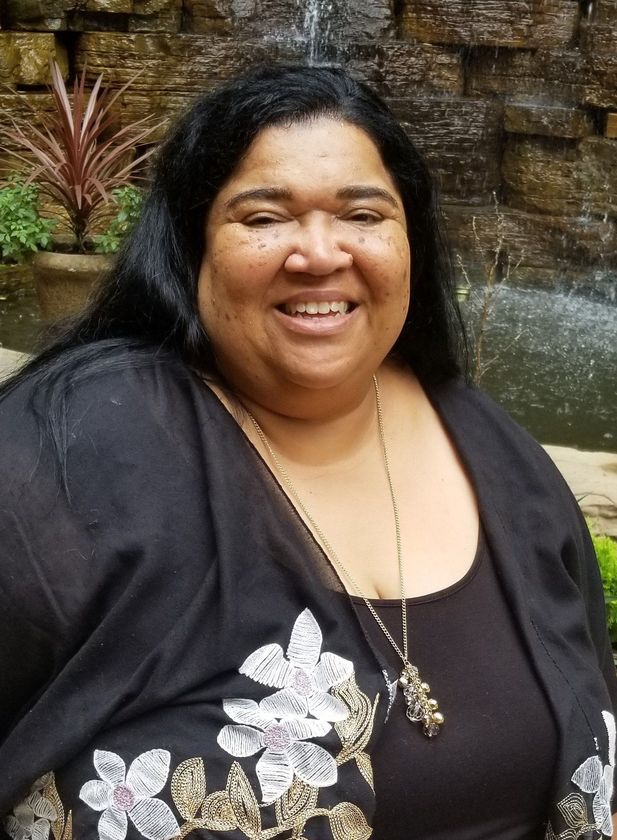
{"x": 317, "y": 250}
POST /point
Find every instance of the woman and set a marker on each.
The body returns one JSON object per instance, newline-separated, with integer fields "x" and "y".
{"x": 250, "y": 506}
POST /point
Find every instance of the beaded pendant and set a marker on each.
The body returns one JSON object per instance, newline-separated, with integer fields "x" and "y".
{"x": 420, "y": 707}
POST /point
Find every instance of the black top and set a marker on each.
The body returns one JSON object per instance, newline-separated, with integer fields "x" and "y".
{"x": 487, "y": 774}
{"x": 177, "y": 654}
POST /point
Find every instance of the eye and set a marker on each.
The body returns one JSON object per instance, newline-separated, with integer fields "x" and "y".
{"x": 364, "y": 217}
{"x": 257, "y": 220}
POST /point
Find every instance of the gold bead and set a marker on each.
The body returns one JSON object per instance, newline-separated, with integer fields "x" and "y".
{"x": 425, "y": 687}
{"x": 438, "y": 718}
{"x": 433, "y": 704}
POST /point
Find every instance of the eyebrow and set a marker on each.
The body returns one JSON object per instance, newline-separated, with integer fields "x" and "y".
{"x": 271, "y": 193}
{"x": 279, "y": 193}
{"x": 367, "y": 191}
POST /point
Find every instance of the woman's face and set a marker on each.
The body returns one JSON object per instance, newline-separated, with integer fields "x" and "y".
{"x": 306, "y": 274}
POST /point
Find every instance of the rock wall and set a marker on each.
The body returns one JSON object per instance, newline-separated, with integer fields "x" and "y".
{"x": 512, "y": 102}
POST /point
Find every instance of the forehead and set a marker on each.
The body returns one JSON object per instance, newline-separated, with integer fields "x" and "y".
{"x": 324, "y": 149}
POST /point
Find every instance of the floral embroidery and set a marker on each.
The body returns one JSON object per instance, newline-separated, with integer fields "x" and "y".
{"x": 279, "y": 724}
{"x": 302, "y": 674}
{"x": 32, "y": 818}
{"x": 591, "y": 777}
{"x": 118, "y": 794}
{"x": 276, "y": 725}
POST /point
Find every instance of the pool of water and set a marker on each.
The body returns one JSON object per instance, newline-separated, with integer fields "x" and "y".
{"x": 552, "y": 356}
{"x": 553, "y": 364}
{"x": 20, "y": 318}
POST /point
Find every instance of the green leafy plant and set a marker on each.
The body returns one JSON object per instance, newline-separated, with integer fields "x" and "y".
{"x": 606, "y": 552}
{"x": 80, "y": 153}
{"x": 129, "y": 201}
{"x": 22, "y": 229}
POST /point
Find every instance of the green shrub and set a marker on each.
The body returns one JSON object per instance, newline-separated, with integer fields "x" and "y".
{"x": 606, "y": 552}
{"x": 22, "y": 230}
{"x": 129, "y": 201}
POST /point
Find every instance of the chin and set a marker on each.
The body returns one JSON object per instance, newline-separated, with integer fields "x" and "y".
{"x": 323, "y": 376}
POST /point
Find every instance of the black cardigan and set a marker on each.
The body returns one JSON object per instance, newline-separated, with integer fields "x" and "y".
{"x": 176, "y": 575}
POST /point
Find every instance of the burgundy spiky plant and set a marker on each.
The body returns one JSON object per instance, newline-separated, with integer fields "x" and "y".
{"x": 80, "y": 153}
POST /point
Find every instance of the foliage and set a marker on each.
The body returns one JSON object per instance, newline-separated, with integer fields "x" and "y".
{"x": 22, "y": 229}
{"x": 497, "y": 269}
{"x": 80, "y": 153}
{"x": 129, "y": 201}
{"x": 606, "y": 552}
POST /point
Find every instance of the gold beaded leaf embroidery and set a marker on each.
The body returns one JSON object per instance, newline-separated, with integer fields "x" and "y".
{"x": 236, "y": 807}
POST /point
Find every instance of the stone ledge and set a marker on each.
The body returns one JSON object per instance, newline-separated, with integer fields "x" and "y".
{"x": 592, "y": 476}
{"x": 10, "y": 360}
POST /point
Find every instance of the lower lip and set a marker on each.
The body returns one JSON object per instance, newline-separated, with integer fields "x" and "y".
{"x": 315, "y": 324}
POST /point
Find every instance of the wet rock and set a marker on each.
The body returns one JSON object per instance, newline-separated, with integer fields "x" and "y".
{"x": 460, "y": 139}
{"x": 46, "y": 15}
{"x": 163, "y": 105}
{"x": 555, "y": 24}
{"x": 20, "y": 106}
{"x": 597, "y": 37}
{"x": 109, "y": 6}
{"x": 205, "y": 17}
{"x": 155, "y": 16}
{"x": 549, "y": 120}
{"x": 324, "y": 32}
{"x": 566, "y": 77}
{"x": 96, "y": 15}
{"x": 601, "y": 87}
{"x": 532, "y": 239}
{"x": 401, "y": 68}
{"x": 173, "y": 66}
{"x": 25, "y": 57}
{"x": 604, "y": 12}
{"x": 509, "y": 23}
{"x": 538, "y": 248}
{"x": 551, "y": 76}
{"x": 561, "y": 178}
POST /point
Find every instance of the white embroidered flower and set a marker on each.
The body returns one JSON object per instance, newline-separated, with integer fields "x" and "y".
{"x": 275, "y": 726}
{"x": 118, "y": 794}
{"x": 32, "y": 817}
{"x": 592, "y": 777}
{"x": 303, "y": 675}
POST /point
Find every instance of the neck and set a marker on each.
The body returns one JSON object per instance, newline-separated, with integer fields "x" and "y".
{"x": 324, "y": 437}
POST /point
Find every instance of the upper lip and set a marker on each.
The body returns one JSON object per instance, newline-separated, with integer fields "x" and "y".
{"x": 317, "y": 296}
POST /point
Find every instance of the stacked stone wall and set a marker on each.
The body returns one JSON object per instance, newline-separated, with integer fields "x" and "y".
{"x": 512, "y": 102}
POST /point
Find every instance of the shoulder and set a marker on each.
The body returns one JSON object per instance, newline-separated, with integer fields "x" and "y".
{"x": 514, "y": 474}
{"x": 509, "y": 468}
{"x": 108, "y": 437}
{"x": 486, "y": 432}
{"x": 101, "y": 399}
{"x": 101, "y": 471}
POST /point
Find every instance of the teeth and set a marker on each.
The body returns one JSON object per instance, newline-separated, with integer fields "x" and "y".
{"x": 321, "y": 307}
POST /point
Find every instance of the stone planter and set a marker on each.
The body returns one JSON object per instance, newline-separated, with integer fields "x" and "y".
{"x": 64, "y": 281}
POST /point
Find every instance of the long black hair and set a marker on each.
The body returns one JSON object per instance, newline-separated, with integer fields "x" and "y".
{"x": 149, "y": 299}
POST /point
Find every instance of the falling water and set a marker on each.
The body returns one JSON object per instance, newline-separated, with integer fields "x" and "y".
{"x": 316, "y": 29}
{"x": 552, "y": 361}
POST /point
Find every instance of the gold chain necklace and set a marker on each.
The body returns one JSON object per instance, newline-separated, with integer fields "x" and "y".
{"x": 420, "y": 707}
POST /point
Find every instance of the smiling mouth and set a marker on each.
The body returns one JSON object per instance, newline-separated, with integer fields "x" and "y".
{"x": 317, "y": 309}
